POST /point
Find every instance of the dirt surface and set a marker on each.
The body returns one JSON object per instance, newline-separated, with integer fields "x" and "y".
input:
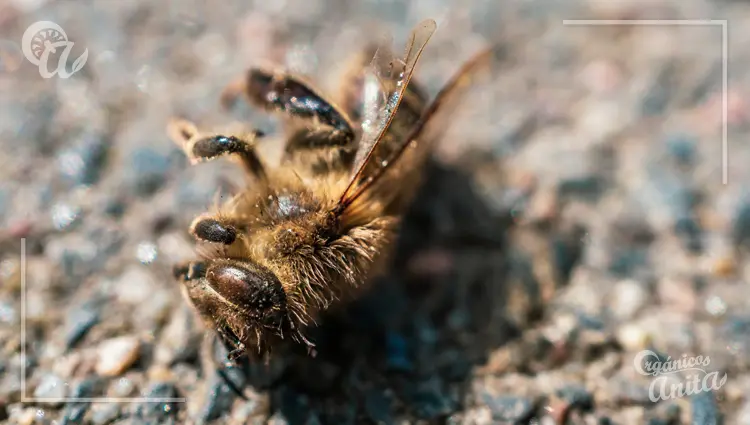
{"x": 575, "y": 216}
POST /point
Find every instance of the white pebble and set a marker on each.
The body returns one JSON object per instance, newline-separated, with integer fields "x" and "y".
{"x": 63, "y": 215}
{"x": 716, "y": 306}
{"x": 134, "y": 286}
{"x": 146, "y": 252}
{"x": 51, "y": 387}
{"x": 628, "y": 297}
{"x": 632, "y": 337}
{"x": 116, "y": 355}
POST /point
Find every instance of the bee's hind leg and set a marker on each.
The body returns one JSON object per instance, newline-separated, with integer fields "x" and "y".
{"x": 199, "y": 147}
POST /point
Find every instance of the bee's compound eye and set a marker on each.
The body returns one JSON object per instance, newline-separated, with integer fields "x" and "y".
{"x": 249, "y": 286}
{"x": 233, "y": 279}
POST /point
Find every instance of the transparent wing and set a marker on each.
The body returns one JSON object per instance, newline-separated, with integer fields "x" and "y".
{"x": 384, "y": 86}
{"x": 432, "y": 124}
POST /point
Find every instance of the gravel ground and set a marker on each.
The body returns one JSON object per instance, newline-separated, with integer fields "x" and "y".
{"x": 576, "y": 215}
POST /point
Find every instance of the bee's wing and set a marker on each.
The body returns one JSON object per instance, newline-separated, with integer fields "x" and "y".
{"x": 384, "y": 86}
{"x": 434, "y": 121}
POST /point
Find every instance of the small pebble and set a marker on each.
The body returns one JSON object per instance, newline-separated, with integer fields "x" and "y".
{"x": 76, "y": 255}
{"x": 78, "y": 322}
{"x": 724, "y": 267}
{"x": 251, "y": 410}
{"x": 158, "y": 411}
{"x": 689, "y": 230}
{"x": 102, "y": 414}
{"x": 178, "y": 343}
{"x": 577, "y": 397}
{"x": 567, "y": 250}
{"x": 82, "y": 164}
{"x": 8, "y": 314}
{"x": 743, "y": 417}
{"x": 175, "y": 247}
{"x": 624, "y": 262}
{"x": 219, "y": 396}
{"x": 737, "y": 109}
{"x": 278, "y": 418}
{"x": 602, "y": 76}
{"x": 683, "y": 149}
{"x": 64, "y": 215}
{"x": 75, "y": 411}
{"x": 149, "y": 169}
{"x": 629, "y": 296}
{"x": 678, "y": 293}
{"x": 704, "y": 409}
{"x": 146, "y": 252}
{"x": 587, "y": 188}
{"x": 509, "y": 408}
{"x": 123, "y": 387}
{"x": 632, "y": 337}
{"x": 115, "y": 207}
{"x": 11, "y": 56}
{"x": 116, "y": 355}
{"x": 5, "y": 198}
{"x": 134, "y": 286}
{"x": 52, "y": 387}
{"x": 740, "y": 233}
{"x": 736, "y": 336}
{"x": 716, "y": 306}
{"x": 659, "y": 94}
{"x": 26, "y": 416}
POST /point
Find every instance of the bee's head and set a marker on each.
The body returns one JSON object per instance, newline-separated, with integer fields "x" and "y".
{"x": 240, "y": 296}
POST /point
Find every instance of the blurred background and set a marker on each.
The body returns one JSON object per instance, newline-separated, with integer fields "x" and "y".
{"x": 576, "y": 215}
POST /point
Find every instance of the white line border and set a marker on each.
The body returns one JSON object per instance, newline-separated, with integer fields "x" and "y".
{"x": 25, "y": 399}
{"x": 724, "y": 24}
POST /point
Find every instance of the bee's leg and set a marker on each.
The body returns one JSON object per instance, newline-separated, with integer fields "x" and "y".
{"x": 320, "y": 151}
{"x": 235, "y": 347}
{"x": 203, "y": 148}
{"x": 232, "y": 386}
{"x": 214, "y": 229}
{"x": 283, "y": 93}
{"x": 209, "y": 351}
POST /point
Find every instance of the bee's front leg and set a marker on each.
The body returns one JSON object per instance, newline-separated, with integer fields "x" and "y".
{"x": 205, "y": 147}
{"x": 235, "y": 347}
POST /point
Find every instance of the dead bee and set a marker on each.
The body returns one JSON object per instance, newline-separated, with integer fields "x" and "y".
{"x": 312, "y": 230}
